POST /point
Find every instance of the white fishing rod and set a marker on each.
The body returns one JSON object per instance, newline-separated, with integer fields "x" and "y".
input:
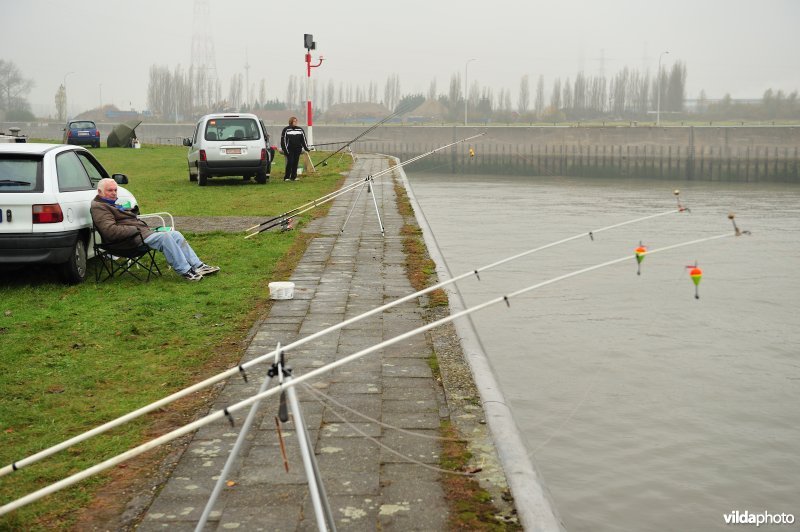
{"x": 241, "y": 369}
{"x": 284, "y": 218}
{"x": 228, "y": 411}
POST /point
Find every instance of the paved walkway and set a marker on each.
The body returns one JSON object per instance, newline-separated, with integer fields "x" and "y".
{"x": 341, "y": 275}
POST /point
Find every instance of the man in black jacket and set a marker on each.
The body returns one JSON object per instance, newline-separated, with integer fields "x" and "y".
{"x": 293, "y": 142}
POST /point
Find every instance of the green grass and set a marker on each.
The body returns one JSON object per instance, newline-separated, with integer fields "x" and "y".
{"x": 74, "y": 357}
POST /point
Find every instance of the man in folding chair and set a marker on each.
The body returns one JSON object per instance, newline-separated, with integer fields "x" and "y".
{"x": 116, "y": 223}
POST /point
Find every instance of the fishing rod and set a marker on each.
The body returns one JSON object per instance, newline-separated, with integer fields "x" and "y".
{"x": 282, "y": 219}
{"x": 241, "y": 369}
{"x": 226, "y": 413}
{"x": 400, "y": 110}
{"x": 329, "y": 143}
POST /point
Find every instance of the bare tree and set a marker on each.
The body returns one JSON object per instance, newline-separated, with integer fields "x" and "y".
{"x": 432, "y": 90}
{"x": 524, "y": 95}
{"x": 331, "y": 94}
{"x": 391, "y": 92}
{"x": 235, "y": 91}
{"x": 566, "y": 97}
{"x": 555, "y": 96}
{"x": 262, "y": 91}
{"x": 539, "y": 105}
{"x": 13, "y": 87}
{"x": 292, "y": 96}
{"x": 61, "y": 103}
{"x": 676, "y": 88}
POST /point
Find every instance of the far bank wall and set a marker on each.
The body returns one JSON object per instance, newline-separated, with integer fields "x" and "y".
{"x": 748, "y": 153}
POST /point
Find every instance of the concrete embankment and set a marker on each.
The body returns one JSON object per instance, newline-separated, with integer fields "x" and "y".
{"x": 712, "y": 153}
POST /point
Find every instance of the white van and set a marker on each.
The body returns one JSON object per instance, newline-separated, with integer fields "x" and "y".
{"x": 229, "y": 144}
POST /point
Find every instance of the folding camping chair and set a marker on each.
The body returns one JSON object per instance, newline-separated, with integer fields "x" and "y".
{"x": 120, "y": 257}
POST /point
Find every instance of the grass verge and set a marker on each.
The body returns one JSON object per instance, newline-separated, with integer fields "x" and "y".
{"x": 75, "y": 357}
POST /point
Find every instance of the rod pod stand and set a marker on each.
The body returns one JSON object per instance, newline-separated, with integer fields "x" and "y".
{"x": 369, "y": 182}
{"x": 319, "y": 498}
{"x": 314, "y": 478}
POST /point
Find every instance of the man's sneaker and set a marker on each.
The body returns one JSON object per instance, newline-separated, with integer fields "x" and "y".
{"x": 192, "y": 275}
{"x": 205, "y": 269}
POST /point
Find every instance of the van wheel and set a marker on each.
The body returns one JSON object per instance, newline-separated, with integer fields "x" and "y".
{"x": 202, "y": 179}
{"x": 192, "y": 178}
{"x": 74, "y": 270}
{"x": 261, "y": 177}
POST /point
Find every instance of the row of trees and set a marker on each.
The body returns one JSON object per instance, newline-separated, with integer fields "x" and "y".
{"x": 629, "y": 94}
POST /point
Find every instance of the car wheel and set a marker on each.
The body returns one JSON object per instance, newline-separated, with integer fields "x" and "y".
{"x": 202, "y": 179}
{"x": 261, "y": 177}
{"x": 192, "y": 178}
{"x": 74, "y": 270}
{"x": 97, "y": 144}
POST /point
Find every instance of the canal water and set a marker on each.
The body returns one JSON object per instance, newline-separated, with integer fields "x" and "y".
{"x": 643, "y": 407}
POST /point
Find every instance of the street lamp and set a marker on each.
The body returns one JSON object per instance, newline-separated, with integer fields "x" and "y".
{"x": 466, "y": 88}
{"x": 658, "y": 108}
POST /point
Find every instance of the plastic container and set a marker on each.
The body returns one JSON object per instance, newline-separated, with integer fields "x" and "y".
{"x": 281, "y": 290}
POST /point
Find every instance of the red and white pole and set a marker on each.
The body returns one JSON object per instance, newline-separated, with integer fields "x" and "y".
{"x": 309, "y": 115}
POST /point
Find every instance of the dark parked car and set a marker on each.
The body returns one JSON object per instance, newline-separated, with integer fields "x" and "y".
{"x": 82, "y": 132}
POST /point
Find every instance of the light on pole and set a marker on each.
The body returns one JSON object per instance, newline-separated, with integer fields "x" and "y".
{"x": 309, "y": 44}
{"x": 66, "y": 110}
{"x": 466, "y": 88}
{"x": 658, "y": 105}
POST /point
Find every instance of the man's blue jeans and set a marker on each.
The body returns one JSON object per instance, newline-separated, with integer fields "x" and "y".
{"x": 176, "y": 249}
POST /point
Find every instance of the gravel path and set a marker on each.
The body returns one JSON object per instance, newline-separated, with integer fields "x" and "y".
{"x": 206, "y": 224}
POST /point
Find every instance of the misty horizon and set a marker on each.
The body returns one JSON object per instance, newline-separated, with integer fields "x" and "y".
{"x": 737, "y": 47}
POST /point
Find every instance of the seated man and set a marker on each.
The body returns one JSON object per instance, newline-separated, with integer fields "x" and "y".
{"x": 116, "y": 223}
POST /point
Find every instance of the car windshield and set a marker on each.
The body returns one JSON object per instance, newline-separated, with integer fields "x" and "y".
{"x": 20, "y": 173}
{"x": 85, "y": 124}
{"x": 232, "y": 129}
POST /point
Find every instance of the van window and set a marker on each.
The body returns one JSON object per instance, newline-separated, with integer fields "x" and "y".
{"x": 232, "y": 129}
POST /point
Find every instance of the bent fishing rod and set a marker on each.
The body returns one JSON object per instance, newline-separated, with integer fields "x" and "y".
{"x": 400, "y": 110}
{"x": 241, "y": 369}
{"x": 226, "y": 413}
{"x": 283, "y": 219}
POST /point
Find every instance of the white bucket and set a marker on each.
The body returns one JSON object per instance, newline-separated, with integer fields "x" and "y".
{"x": 281, "y": 290}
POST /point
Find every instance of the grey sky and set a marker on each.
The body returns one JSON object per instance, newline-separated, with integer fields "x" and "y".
{"x": 738, "y": 46}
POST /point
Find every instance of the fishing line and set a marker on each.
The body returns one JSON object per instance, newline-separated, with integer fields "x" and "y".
{"x": 330, "y": 399}
{"x": 241, "y": 369}
{"x": 228, "y": 411}
{"x": 564, "y": 423}
{"x": 283, "y": 218}
{"x": 400, "y": 110}
{"x": 397, "y": 453}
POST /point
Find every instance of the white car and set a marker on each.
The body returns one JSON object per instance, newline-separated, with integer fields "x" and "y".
{"x": 229, "y": 144}
{"x": 45, "y": 194}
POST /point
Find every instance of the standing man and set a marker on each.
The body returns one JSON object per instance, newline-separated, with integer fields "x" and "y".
{"x": 293, "y": 142}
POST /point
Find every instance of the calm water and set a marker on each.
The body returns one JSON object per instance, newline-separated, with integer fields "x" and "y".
{"x": 643, "y": 408}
